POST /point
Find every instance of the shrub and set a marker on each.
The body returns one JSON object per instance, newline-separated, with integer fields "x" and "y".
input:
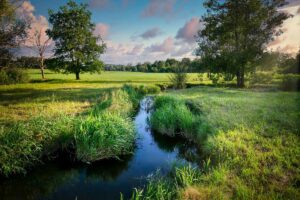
{"x": 290, "y": 82}
{"x": 179, "y": 77}
{"x": 13, "y": 76}
{"x": 260, "y": 78}
{"x": 105, "y": 136}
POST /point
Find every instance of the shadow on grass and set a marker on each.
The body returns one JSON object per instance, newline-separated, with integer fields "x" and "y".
{"x": 22, "y": 95}
{"x": 55, "y": 81}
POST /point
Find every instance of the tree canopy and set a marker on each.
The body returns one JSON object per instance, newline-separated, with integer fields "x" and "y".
{"x": 77, "y": 49}
{"x": 237, "y": 32}
{"x": 13, "y": 30}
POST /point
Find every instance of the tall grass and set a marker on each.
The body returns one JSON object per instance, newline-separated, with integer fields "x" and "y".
{"x": 172, "y": 117}
{"x": 24, "y": 144}
{"x": 166, "y": 187}
{"x": 105, "y": 136}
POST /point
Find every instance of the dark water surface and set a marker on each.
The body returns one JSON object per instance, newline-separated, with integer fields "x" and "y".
{"x": 104, "y": 179}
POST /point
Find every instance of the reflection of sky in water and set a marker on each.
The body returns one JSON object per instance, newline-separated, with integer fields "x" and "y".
{"x": 104, "y": 179}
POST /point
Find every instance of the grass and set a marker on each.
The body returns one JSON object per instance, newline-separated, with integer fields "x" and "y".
{"x": 106, "y": 136}
{"x": 40, "y": 119}
{"x": 250, "y": 140}
{"x": 250, "y": 137}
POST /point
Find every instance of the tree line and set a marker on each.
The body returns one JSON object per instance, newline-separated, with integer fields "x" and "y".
{"x": 233, "y": 42}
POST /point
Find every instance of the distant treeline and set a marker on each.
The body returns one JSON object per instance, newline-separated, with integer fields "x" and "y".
{"x": 159, "y": 66}
{"x": 270, "y": 61}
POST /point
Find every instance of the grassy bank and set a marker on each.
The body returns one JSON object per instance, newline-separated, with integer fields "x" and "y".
{"x": 250, "y": 140}
{"x": 101, "y": 130}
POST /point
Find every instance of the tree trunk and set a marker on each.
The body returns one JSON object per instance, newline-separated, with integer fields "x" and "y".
{"x": 77, "y": 76}
{"x": 42, "y": 72}
{"x": 42, "y": 68}
{"x": 240, "y": 77}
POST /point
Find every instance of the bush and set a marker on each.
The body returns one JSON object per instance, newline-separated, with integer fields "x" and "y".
{"x": 105, "y": 136}
{"x": 12, "y": 76}
{"x": 179, "y": 77}
{"x": 290, "y": 82}
{"x": 261, "y": 78}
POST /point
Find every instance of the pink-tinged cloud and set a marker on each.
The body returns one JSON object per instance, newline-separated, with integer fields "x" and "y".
{"x": 188, "y": 32}
{"x": 159, "y": 8}
{"x": 151, "y": 33}
{"x": 98, "y": 3}
{"x": 289, "y": 41}
{"x": 102, "y": 30}
{"x": 38, "y": 23}
{"x": 165, "y": 47}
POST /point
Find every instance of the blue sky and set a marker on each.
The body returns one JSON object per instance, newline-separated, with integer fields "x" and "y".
{"x": 142, "y": 30}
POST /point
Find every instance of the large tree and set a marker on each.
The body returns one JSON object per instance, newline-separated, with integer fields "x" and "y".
{"x": 237, "y": 32}
{"x": 76, "y": 48}
{"x": 13, "y": 30}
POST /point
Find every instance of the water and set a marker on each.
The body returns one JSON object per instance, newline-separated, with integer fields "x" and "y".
{"x": 104, "y": 179}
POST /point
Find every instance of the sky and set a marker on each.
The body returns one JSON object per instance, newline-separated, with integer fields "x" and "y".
{"x": 147, "y": 30}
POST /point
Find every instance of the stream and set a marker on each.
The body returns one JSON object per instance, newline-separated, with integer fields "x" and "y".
{"x": 104, "y": 179}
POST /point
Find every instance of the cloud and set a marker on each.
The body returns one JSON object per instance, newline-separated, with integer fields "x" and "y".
{"x": 189, "y": 30}
{"x": 98, "y": 3}
{"x": 151, "y": 33}
{"x": 102, "y": 30}
{"x": 165, "y": 47}
{"x": 293, "y": 3}
{"x": 38, "y": 23}
{"x": 159, "y": 8}
{"x": 289, "y": 41}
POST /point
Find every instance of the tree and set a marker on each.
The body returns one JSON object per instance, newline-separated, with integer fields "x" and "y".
{"x": 76, "y": 48}
{"x": 236, "y": 33}
{"x": 13, "y": 30}
{"x": 40, "y": 43}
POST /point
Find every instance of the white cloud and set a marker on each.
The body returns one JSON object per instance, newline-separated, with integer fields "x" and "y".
{"x": 289, "y": 41}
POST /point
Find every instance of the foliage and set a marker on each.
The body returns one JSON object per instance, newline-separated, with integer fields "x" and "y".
{"x": 76, "y": 48}
{"x": 290, "y": 82}
{"x": 179, "y": 77}
{"x": 288, "y": 64}
{"x": 13, "y": 30}
{"x": 260, "y": 78}
{"x": 13, "y": 76}
{"x": 236, "y": 33}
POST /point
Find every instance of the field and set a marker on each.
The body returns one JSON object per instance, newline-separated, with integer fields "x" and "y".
{"x": 249, "y": 141}
{"x": 248, "y": 138}
{"x": 61, "y": 93}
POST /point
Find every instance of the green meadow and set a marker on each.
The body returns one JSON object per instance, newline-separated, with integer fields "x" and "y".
{"x": 249, "y": 141}
{"x": 248, "y": 138}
